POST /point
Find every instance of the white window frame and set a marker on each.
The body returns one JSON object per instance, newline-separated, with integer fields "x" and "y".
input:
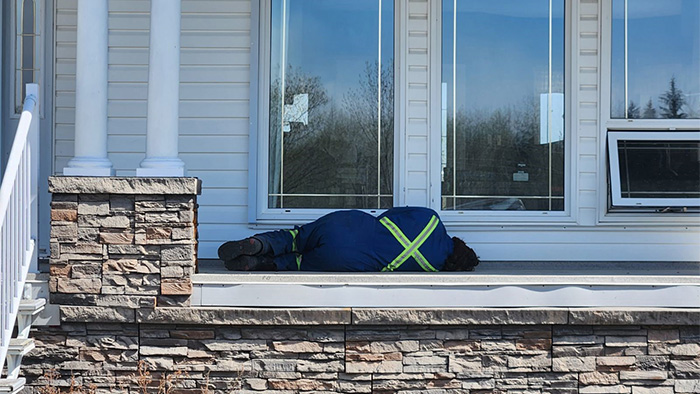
{"x": 617, "y": 198}
{"x": 489, "y": 218}
{"x": 259, "y": 214}
{"x": 15, "y": 46}
{"x": 608, "y": 124}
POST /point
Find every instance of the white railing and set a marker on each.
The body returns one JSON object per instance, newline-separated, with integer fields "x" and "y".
{"x": 18, "y": 216}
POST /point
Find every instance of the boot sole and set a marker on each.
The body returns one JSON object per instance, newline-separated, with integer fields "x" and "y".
{"x": 234, "y": 265}
{"x": 232, "y": 249}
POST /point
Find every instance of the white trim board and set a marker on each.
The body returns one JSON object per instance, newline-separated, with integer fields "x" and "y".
{"x": 497, "y": 284}
{"x": 423, "y": 296}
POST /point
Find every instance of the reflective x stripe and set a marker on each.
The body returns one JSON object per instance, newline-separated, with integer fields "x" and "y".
{"x": 294, "y": 247}
{"x": 411, "y": 249}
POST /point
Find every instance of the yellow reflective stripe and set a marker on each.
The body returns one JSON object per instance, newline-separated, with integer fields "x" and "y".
{"x": 411, "y": 249}
{"x": 422, "y": 261}
{"x": 403, "y": 240}
{"x": 395, "y": 231}
{"x": 294, "y": 239}
{"x": 294, "y": 247}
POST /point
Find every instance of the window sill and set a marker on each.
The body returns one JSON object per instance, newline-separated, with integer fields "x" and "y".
{"x": 654, "y": 219}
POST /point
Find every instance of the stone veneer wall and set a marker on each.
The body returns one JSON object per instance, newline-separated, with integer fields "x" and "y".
{"x": 377, "y": 351}
{"x": 122, "y": 256}
{"x": 122, "y": 242}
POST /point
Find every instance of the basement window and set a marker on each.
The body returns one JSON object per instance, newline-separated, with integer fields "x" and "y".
{"x": 655, "y": 169}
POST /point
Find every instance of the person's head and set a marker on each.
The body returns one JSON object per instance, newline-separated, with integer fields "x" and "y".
{"x": 463, "y": 258}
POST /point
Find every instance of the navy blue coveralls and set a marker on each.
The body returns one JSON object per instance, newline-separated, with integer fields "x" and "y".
{"x": 401, "y": 239}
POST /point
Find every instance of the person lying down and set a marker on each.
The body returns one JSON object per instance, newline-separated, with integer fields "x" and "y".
{"x": 411, "y": 239}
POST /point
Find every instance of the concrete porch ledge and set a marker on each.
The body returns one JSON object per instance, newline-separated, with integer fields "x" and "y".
{"x": 384, "y": 316}
{"x": 492, "y": 285}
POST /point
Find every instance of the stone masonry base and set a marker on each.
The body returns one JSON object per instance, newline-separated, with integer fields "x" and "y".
{"x": 258, "y": 352}
{"x": 123, "y": 253}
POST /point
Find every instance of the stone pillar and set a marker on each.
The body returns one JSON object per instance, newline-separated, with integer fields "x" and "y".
{"x": 163, "y": 92}
{"x": 122, "y": 243}
{"x": 91, "y": 92}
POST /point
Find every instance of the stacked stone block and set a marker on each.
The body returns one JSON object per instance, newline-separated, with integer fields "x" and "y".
{"x": 266, "y": 356}
{"x": 122, "y": 242}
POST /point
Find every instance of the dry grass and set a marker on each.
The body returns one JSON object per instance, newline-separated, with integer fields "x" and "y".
{"x": 143, "y": 379}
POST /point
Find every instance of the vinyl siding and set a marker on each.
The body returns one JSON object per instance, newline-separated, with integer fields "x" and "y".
{"x": 214, "y": 96}
{"x": 215, "y": 124}
{"x": 417, "y": 95}
{"x": 585, "y": 134}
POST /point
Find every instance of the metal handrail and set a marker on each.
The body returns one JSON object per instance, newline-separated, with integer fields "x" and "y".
{"x": 18, "y": 214}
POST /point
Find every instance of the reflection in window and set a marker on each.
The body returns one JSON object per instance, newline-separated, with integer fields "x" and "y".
{"x": 27, "y": 51}
{"x": 655, "y": 59}
{"x": 503, "y": 105}
{"x": 331, "y": 104}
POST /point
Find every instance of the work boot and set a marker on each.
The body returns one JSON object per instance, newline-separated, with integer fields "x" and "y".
{"x": 251, "y": 263}
{"x": 246, "y": 247}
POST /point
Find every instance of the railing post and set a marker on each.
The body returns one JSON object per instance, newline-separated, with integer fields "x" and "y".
{"x": 34, "y": 154}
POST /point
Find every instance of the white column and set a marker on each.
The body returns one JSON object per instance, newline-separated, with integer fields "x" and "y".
{"x": 91, "y": 92}
{"x": 163, "y": 92}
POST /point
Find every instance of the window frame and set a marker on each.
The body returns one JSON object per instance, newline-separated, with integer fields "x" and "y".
{"x": 259, "y": 214}
{"x": 489, "y": 218}
{"x": 618, "y": 200}
{"x": 634, "y": 216}
{"x": 14, "y": 107}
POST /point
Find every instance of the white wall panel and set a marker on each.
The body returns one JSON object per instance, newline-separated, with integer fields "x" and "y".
{"x": 416, "y": 99}
{"x": 214, "y": 91}
{"x": 214, "y": 127}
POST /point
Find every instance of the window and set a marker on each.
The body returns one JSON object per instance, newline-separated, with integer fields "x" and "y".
{"x": 652, "y": 125}
{"x": 330, "y": 131}
{"x": 503, "y": 105}
{"x": 27, "y": 48}
{"x": 655, "y": 59}
{"x": 655, "y": 168}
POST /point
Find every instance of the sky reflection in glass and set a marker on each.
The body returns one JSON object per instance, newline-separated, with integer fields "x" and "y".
{"x": 663, "y": 42}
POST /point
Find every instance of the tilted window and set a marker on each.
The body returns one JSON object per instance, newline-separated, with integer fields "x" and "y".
{"x": 331, "y": 104}
{"x": 503, "y": 101}
{"x": 655, "y": 168}
{"x": 653, "y": 136}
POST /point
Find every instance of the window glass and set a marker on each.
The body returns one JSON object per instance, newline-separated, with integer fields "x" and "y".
{"x": 503, "y": 105}
{"x": 331, "y": 126}
{"x": 659, "y": 169}
{"x": 26, "y": 48}
{"x": 655, "y": 59}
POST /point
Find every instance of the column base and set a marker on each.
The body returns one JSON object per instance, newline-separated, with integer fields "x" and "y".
{"x": 89, "y": 166}
{"x": 88, "y": 171}
{"x": 160, "y": 172}
{"x": 161, "y": 167}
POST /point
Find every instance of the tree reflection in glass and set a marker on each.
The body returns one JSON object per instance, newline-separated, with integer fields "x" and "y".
{"x": 655, "y": 59}
{"x": 331, "y": 104}
{"x": 503, "y": 105}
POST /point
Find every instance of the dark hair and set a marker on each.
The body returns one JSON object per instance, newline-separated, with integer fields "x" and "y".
{"x": 463, "y": 258}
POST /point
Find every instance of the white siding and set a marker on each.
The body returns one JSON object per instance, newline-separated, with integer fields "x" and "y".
{"x": 214, "y": 95}
{"x": 214, "y": 128}
{"x": 417, "y": 88}
{"x": 585, "y": 132}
